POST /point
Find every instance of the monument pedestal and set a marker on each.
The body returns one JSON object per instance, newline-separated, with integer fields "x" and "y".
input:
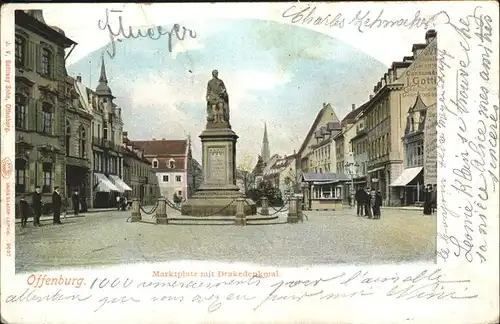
{"x": 218, "y": 194}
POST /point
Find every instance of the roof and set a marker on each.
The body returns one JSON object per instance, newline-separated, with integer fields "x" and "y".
{"x": 311, "y": 130}
{"x": 164, "y": 164}
{"x": 354, "y": 113}
{"x": 34, "y": 22}
{"x": 161, "y": 147}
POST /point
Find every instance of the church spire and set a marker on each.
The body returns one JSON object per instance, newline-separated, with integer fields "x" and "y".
{"x": 265, "y": 146}
{"x": 103, "y": 88}
{"x": 102, "y": 77}
{"x": 190, "y": 154}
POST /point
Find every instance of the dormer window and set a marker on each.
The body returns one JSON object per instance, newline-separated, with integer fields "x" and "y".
{"x": 171, "y": 164}
{"x": 155, "y": 164}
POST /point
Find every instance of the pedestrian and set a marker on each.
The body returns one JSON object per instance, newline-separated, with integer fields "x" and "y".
{"x": 367, "y": 203}
{"x": 433, "y": 199}
{"x": 24, "y": 209}
{"x": 125, "y": 203}
{"x": 56, "y": 206}
{"x": 75, "y": 199}
{"x": 360, "y": 204}
{"x": 118, "y": 202}
{"x": 377, "y": 205}
{"x": 427, "y": 200}
{"x": 349, "y": 200}
{"x": 372, "y": 204}
{"x": 37, "y": 206}
{"x": 122, "y": 202}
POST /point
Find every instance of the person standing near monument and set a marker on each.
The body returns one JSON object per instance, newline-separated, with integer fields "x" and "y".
{"x": 37, "y": 206}
{"x": 56, "y": 206}
{"x": 217, "y": 100}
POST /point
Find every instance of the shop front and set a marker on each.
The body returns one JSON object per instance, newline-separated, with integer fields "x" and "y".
{"x": 410, "y": 187}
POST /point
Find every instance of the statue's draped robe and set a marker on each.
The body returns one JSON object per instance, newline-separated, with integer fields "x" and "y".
{"x": 217, "y": 101}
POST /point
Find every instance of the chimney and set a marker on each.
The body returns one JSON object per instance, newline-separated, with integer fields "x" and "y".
{"x": 125, "y": 134}
{"x": 353, "y": 107}
{"x": 430, "y": 35}
{"x": 371, "y": 97}
{"x": 324, "y": 104}
{"x": 79, "y": 79}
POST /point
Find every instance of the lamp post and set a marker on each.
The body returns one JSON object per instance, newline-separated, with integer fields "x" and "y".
{"x": 352, "y": 169}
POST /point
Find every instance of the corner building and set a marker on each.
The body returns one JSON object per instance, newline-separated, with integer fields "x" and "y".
{"x": 40, "y": 105}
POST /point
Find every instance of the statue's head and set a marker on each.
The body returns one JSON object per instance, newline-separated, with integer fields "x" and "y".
{"x": 215, "y": 73}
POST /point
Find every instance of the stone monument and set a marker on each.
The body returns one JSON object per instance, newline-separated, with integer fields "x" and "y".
{"x": 218, "y": 193}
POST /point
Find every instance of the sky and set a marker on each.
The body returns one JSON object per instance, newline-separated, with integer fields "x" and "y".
{"x": 275, "y": 72}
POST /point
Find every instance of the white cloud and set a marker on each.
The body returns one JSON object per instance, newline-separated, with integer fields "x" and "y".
{"x": 187, "y": 45}
{"x": 258, "y": 80}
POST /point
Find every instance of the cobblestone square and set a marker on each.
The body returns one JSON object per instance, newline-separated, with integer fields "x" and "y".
{"x": 338, "y": 237}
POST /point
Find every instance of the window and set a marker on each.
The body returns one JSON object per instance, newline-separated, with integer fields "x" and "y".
{"x": 20, "y": 50}
{"x": 179, "y": 193}
{"x": 98, "y": 131}
{"x": 46, "y": 62}
{"x": 82, "y": 142}
{"x": 105, "y": 132}
{"x": 93, "y": 125}
{"x": 166, "y": 178}
{"x": 171, "y": 164}
{"x": 68, "y": 139}
{"x": 20, "y": 111}
{"x": 178, "y": 178}
{"x": 47, "y": 177}
{"x": 96, "y": 162}
{"x": 21, "y": 175}
{"x": 47, "y": 118}
{"x": 155, "y": 164}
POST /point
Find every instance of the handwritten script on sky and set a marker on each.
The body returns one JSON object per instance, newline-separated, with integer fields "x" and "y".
{"x": 117, "y": 33}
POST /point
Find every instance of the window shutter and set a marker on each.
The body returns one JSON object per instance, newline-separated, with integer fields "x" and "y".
{"x": 30, "y": 114}
{"x": 39, "y": 116}
{"x": 38, "y": 58}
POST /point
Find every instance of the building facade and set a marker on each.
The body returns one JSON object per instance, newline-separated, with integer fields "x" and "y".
{"x": 359, "y": 144}
{"x": 104, "y": 139}
{"x": 283, "y": 174}
{"x": 306, "y": 154}
{"x": 139, "y": 175}
{"x": 324, "y": 150}
{"x": 78, "y": 146}
{"x": 40, "y": 104}
{"x": 169, "y": 161}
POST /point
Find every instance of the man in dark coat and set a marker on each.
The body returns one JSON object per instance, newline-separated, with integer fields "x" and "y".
{"x": 433, "y": 199}
{"x": 24, "y": 210}
{"x": 359, "y": 197}
{"x": 367, "y": 203}
{"x": 75, "y": 199}
{"x": 427, "y": 200}
{"x": 56, "y": 206}
{"x": 37, "y": 206}
{"x": 377, "y": 205}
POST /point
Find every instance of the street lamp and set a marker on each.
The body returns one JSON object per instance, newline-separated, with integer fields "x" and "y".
{"x": 352, "y": 169}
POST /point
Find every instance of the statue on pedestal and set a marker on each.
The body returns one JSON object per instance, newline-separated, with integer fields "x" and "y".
{"x": 217, "y": 100}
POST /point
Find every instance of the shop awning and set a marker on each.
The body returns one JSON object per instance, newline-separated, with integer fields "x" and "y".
{"x": 376, "y": 169}
{"x": 119, "y": 183}
{"x": 104, "y": 184}
{"x": 406, "y": 177}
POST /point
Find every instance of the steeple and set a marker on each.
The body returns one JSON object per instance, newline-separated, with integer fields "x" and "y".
{"x": 265, "y": 146}
{"x": 190, "y": 154}
{"x": 103, "y": 88}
